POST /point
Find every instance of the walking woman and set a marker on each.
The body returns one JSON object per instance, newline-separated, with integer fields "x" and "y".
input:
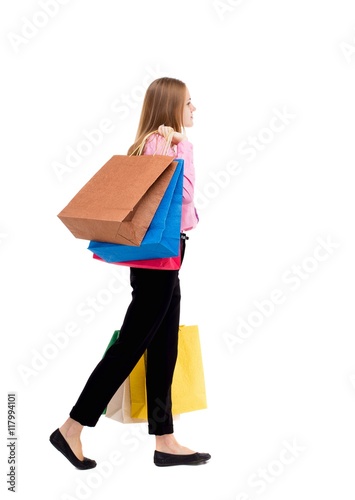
{"x": 152, "y": 319}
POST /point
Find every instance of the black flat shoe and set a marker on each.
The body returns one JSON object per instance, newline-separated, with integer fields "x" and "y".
{"x": 167, "y": 459}
{"x": 58, "y": 441}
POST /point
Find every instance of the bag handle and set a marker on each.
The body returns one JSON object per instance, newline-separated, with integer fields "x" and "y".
{"x": 140, "y": 147}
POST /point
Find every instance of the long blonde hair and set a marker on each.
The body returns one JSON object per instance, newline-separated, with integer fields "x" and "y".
{"x": 163, "y": 105}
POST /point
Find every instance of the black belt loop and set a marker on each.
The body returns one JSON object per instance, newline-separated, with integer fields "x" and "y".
{"x": 183, "y": 236}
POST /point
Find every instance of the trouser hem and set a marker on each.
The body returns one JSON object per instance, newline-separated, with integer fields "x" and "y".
{"x": 77, "y": 418}
{"x": 160, "y": 431}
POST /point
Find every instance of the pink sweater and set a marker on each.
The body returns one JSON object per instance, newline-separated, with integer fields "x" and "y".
{"x": 155, "y": 145}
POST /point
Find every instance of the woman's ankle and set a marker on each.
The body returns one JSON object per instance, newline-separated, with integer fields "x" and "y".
{"x": 168, "y": 444}
{"x": 71, "y": 428}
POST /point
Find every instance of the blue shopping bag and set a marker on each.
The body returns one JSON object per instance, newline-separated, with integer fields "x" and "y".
{"x": 162, "y": 238}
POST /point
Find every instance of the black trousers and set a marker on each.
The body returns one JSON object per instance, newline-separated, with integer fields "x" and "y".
{"x": 151, "y": 323}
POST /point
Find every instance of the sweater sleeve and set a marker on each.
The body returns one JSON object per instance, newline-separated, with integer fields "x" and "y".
{"x": 185, "y": 151}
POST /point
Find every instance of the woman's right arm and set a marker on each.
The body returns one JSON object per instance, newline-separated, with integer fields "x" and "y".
{"x": 185, "y": 151}
{"x": 156, "y": 144}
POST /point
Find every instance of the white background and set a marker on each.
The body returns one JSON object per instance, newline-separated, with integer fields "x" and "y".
{"x": 291, "y": 380}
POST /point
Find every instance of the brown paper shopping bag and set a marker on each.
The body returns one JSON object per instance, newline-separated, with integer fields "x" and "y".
{"x": 188, "y": 387}
{"x": 118, "y": 203}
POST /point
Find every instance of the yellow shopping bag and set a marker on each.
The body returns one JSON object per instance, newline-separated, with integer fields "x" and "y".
{"x": 188, "y": 388}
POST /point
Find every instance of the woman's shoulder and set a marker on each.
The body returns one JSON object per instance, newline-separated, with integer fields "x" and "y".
{"x": 154, "y": 138}
{"x": 157, "y": 144}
